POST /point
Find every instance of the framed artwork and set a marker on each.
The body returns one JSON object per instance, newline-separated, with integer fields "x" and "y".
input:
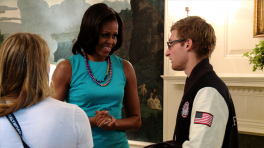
{"x": 258, "y": 26}
{"x": 144, "y": 48}
{"x": 58, "y": 23}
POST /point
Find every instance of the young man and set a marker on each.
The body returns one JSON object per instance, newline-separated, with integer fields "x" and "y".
{"x": 206, "y": 117}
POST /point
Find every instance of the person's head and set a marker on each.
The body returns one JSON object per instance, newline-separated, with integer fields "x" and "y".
{"x": 199, "y": 31}
{"x": 190, "y": 34}
{"x": 24, "y": 72}
{"x": 96, "y": 18}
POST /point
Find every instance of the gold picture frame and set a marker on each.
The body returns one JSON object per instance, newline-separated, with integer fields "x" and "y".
{"x": 258, "y": 26}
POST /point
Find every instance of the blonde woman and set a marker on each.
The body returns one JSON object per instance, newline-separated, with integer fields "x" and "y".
{"x": 24, "y": 93}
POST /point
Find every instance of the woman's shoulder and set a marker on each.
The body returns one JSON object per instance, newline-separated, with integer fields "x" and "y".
{"x": 50, "y": 100}
{"x": 75, "y": 57}
{"x": 121, "y": 60}
{"x": 126, "y": 65}
{"x": 116, "y": 58}
{"x": 64, "y": 64}
{"x": 64, "y": 106}
{"x": 58, "y": 108}
{"x": 64, "y": 67}
{"x": 61, "y": 105}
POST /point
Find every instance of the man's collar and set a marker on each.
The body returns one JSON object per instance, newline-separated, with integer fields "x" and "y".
{"x": 198, "y": 71}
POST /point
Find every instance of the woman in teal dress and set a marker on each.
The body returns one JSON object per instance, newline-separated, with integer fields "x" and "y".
{"x": 98, "y": 81}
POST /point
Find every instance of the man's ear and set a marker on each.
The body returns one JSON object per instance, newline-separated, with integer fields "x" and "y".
{"x": 189, "y": 44}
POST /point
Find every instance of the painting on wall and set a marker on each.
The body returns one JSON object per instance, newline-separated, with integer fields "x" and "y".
{"x": 58, "y": 22}
{"x": 258, "y": 26}
{"x": 144, "y": 48}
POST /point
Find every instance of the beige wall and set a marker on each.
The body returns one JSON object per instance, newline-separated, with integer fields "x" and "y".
{"x": 233, "y": 24}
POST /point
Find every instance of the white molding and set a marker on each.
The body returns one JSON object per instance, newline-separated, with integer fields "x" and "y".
{"x": 138, "y": 144}
{"x": 256, "y": 80}
{"x": 252, "y": 127}
{"x": 165, "y": 111}
{"x": 252, "y": 91}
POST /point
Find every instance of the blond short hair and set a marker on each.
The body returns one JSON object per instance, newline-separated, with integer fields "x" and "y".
{"x": 201, "y": 33}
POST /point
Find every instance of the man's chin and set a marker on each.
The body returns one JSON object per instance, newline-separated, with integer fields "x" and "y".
{"x": 177, "y": 69}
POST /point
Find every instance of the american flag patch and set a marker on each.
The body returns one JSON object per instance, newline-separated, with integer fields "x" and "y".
{"x": 203, "y": 118}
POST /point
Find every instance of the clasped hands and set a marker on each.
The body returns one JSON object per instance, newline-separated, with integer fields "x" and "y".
{"x": 105, "y": 121}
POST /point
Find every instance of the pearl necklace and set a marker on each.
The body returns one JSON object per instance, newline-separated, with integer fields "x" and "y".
{"x": 109, "y": 63}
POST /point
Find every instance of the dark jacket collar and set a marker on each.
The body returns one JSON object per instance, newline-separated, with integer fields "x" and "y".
{"x": 198, "y": 71}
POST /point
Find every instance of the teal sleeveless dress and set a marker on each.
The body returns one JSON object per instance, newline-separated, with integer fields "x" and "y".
{"x": 91, "y": 97}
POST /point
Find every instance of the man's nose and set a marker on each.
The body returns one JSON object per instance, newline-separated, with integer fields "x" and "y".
{"x": 167, "y": 53}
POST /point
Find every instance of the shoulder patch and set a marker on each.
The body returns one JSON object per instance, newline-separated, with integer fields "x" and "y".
{"x": 185, "y": 110}
{"x": 203, "y": 118}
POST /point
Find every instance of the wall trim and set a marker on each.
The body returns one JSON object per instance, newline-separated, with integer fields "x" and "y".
{"x": 240, "y": 90}
{"x": 254, "y": 80}
{"x": 138, "y": 144}
{"x": 251, "y": 127}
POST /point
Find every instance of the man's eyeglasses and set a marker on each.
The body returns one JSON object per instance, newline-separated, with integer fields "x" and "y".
{"x": 170, "y": 42}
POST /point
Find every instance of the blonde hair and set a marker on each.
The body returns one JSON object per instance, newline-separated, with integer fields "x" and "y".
{"x": 201, "y": 33}
{"x": 24, "y": 73}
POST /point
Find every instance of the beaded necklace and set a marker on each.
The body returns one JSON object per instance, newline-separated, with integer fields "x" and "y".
{"x": 109, "y": 68}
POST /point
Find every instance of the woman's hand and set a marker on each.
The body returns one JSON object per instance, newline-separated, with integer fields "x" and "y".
{"x": 93, "y": 121}
{"x": 99, "y": 115}
{"x": 105, "y": 121}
